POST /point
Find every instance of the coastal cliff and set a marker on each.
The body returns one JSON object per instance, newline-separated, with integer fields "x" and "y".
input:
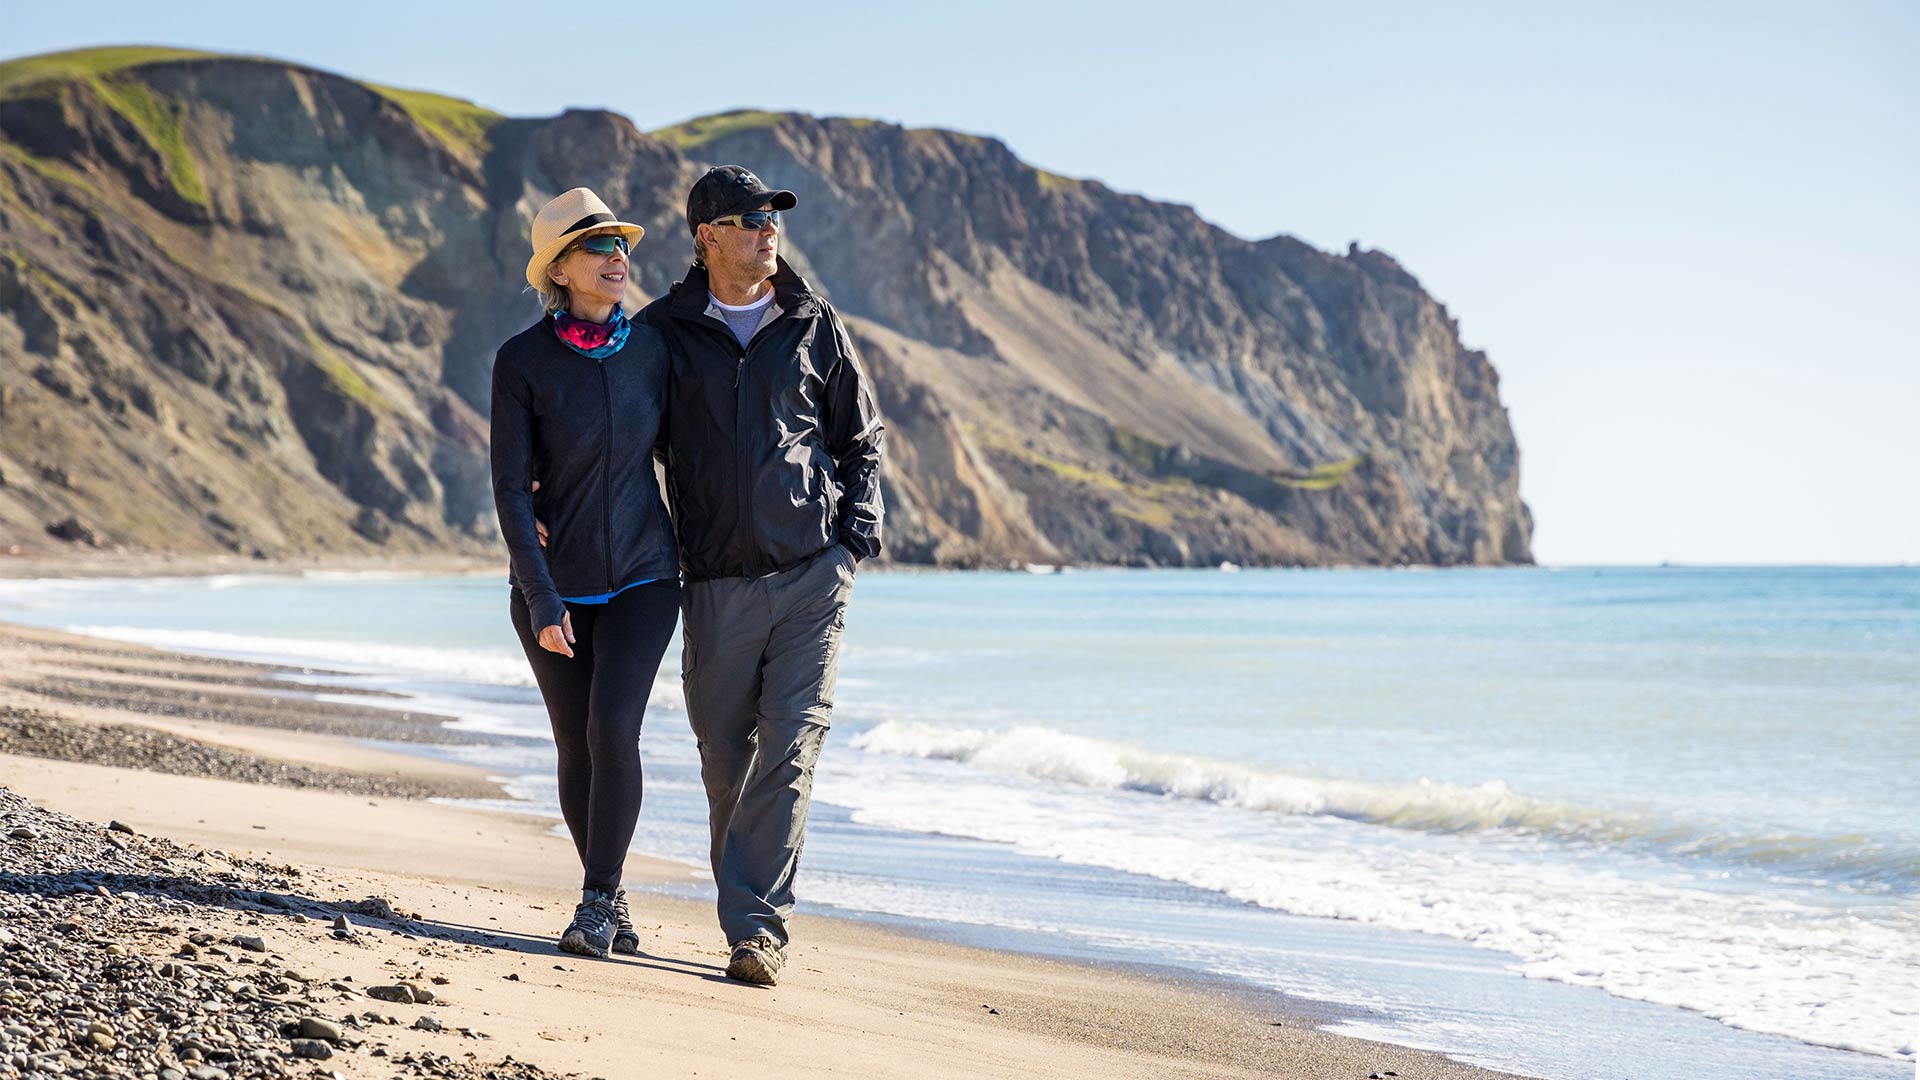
{"x": 251, "y": 307}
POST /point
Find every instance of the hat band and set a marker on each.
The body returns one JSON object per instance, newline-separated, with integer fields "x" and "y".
{"x": 590, "y": 219}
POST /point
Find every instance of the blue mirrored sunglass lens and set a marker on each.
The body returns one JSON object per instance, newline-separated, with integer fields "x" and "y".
{"x": 605, "y": 245}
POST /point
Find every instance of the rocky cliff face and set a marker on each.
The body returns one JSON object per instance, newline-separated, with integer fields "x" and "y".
{"x": 251, "y": 307}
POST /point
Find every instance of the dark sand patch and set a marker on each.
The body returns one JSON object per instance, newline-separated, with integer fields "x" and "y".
{"x": 32, "y": 733}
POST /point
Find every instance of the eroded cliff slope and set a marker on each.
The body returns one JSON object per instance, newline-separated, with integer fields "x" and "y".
{"x": 247, "y": 306}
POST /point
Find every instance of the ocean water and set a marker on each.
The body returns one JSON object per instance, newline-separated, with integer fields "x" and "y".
{"x": 1574, "y": 823}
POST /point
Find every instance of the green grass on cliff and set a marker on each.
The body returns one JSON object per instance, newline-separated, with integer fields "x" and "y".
{"x": 462, "y": 126}
{"x": 342, "y": 378}
{"x": 1145, "y": 503}
{"x": 158, "y": 119}
{"x": 705, "y": 129}
{"x": 1055, "y": 182}
{"x": 108, "y": 72}
{"x": 51, "y": 171}
{"x": 1320, "y": 477}
{"x": 79, "y": 64}
{"x": 10, "y": 198}
{"x": 1141, "y": 452}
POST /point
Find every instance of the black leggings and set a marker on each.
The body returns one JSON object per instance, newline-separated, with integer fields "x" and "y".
{"x": 596, "y": 701}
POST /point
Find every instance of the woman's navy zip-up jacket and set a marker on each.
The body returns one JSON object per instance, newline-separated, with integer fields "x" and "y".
{"x": 586, "y": 430}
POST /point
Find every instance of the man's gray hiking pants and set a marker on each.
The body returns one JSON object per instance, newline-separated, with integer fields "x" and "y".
{"x": 758, "y": 669}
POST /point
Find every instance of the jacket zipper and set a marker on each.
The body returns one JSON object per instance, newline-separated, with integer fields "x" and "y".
{"x": 743, "y": 460}
{"x": 606, "y": 480}
{"x": 742, "y": 463}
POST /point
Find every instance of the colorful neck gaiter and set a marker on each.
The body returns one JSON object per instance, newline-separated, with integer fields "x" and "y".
{"x": 598, "y": 340}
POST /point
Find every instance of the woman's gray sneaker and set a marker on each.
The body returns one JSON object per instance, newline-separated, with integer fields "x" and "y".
{"x": 591, "y": 932}
{"x": 757, "y": 960}
{"x": 626, "y": 941}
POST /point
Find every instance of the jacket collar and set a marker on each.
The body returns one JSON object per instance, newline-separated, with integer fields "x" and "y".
{"x": 790, "y": 291}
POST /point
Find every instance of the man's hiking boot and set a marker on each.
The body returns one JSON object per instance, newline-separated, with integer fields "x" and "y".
{"x": 757, "y": 960}
{"x": 592, "y": 929}
{"x": 626, "y": 942}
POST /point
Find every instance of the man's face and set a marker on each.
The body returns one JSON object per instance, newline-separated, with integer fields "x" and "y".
{"x": 736, "y": 251}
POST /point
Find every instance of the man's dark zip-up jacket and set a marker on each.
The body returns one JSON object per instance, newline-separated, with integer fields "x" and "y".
{"x": 773, "y": 451}
{"x": 586, "y": 429}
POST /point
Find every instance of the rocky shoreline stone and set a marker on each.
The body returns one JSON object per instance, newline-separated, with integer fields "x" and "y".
{"x": 87, "y": 916}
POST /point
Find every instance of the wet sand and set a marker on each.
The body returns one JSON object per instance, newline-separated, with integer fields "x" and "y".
{"x": 258, "y": 812}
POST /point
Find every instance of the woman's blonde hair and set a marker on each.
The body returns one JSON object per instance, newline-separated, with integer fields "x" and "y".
{"x": 553, "y": 295}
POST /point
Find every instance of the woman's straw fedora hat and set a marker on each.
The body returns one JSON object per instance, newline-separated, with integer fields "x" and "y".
{"x": 558, "y": 223}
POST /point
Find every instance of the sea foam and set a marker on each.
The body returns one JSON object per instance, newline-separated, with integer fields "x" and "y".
{"x": 1759, "y": 958}
{"x": 496, "y": 667}
{"x": 1491, "y": 807}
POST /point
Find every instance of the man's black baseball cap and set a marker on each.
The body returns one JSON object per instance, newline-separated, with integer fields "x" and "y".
{"x": 730, "y": 189}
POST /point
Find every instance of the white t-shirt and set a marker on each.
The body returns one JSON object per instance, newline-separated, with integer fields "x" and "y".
{"x": 743, "y": 319}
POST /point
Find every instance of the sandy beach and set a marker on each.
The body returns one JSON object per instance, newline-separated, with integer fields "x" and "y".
{"x": 251, "y": 816}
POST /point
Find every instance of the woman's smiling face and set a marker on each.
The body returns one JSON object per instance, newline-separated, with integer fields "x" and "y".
{"x": 592, "y": 280}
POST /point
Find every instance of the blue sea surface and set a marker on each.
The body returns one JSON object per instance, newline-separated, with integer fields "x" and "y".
{"x": 1584, "y": 822}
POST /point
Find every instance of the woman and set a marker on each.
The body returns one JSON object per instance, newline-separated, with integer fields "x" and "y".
{"x": 576, "y": 411}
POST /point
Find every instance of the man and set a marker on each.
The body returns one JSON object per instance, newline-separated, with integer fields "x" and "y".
{"x": 773, "y": 469}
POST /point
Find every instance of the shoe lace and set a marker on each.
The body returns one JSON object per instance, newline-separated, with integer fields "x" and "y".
{"x": 621, "y": 916}
{"x": 597, "y": 910}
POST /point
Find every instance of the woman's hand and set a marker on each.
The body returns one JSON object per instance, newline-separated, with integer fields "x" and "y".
{"x": 558, "y": 638}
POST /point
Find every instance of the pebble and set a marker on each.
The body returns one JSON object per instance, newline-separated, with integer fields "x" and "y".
{"x": 84, "y": 990}
{"x": 311, "y": 1048}
{"x": 398, "y": 993}
{"x": 120, "y": 827}
{"x": 314, "y": 1027}
{"x": 251, "y": 944}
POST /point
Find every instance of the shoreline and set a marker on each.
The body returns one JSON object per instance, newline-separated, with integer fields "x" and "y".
{"x": 1395, "y": 985}
{"x": 81, "y": 565}
{"x": 1018, "y": 1013}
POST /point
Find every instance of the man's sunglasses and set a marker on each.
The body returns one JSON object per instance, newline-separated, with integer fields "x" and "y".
{"x": 603, "y": 245}
{"x": 752, "y": 219}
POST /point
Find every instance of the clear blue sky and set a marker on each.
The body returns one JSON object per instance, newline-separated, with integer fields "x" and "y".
{"x": 1687, "y": 240}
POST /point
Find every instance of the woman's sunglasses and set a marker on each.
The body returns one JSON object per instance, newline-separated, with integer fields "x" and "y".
{"x": 752, "y": 219}
{"x": 603, "y": 245}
